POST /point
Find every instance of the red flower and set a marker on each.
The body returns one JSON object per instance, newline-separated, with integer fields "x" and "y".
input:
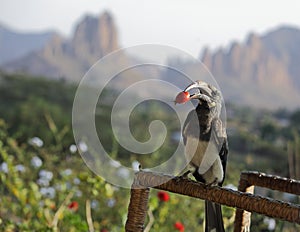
{"x": 103, "y": 230}
{"x": 163, "y": 196}
{"x": 73, "y": 206}
{"x": 179, "y": 226}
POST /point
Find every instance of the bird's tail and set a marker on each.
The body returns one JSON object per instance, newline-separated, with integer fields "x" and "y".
{"x": 213, "y": 217}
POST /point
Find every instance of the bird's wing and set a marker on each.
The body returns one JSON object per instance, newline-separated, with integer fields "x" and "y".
{"x": 200, "y": 148}
{"x": 192, "y": 116}
{"x": 217, "y": 139}
{"x": 220, "y": 136}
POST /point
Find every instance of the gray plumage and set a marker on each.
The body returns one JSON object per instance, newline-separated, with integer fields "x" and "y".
{"x": 206, "y": 146}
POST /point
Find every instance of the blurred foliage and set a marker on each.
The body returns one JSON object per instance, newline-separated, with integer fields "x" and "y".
{"x": 40, "y": 175}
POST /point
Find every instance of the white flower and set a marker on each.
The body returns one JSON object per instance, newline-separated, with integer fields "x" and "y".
{"x": 47, "y": 175}
{"x": 68, "y": 185}
{"x": 43, "y": 182}
{"x": 82, "y": 146}
{"x": 41, "y": 203}
{"x": 59, "y": 187}
{"x": 135, "y": 165}
{"x": 78, "y": 193}
{"x": 20, "y": 168}
{"x": 94, "y": 204}
{"x": 67, "y": 172}
{"x": 73, "y": 148}
{"x": 48, "y": 192}
{"x": 36, "y": 162}
{"x": 270, "y": 222}
{"x": 4, "y": 167}
{"x": 76, "y": 181}
{"x": 36, "y": 141}
{"x": 111, "y": 202}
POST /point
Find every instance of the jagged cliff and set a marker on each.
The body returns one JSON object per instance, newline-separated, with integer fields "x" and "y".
{"x": 263, "y": 71}
{"x": 70, "y": 58}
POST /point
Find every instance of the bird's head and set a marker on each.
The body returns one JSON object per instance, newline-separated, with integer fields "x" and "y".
{"x": 204, "y": 93}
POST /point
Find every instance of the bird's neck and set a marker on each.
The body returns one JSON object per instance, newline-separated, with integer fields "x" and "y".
{"x": 204, "y": 117}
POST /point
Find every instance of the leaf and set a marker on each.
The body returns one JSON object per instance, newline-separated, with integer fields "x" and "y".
{"x": 51, "y": 123}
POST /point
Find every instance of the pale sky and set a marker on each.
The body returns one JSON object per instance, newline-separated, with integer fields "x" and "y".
{"x": 186, "y": 24}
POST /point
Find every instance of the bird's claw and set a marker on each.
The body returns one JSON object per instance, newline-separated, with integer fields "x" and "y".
{"x": 212, "y": 184}
{"x": 183, "y": 176}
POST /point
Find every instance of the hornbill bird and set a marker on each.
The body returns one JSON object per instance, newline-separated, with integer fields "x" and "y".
{"x": 206, "y": 146}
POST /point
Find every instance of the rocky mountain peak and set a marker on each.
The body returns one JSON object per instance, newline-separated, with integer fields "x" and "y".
{"x": 268, "y": 65}
{"x": 54, "y": 46}
{"x": 253, "y": 40}
{"x": 70, "y": 58}
{"x": 262, "y": 71}
{"x": 94, "y": 37}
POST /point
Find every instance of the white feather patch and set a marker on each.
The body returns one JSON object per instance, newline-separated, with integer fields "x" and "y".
{"x": 201, "y": 154}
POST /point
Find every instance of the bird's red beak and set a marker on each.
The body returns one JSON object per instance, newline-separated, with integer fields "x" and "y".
{"x": 182, "y": 97}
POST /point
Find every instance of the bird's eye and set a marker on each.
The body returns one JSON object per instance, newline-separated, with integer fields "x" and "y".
{"x": 194, "y": 91}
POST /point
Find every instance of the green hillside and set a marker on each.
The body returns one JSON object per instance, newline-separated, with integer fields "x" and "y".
{"x": 46, "y": 186}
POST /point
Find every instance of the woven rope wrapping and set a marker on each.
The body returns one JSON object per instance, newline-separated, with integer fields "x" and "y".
{"x": 241, "y": 200}
{"x": 137, "y": 208}
{"x": 242, "y": 220}
{"x": 250, "y": 179}
{"x": 272, "y": 182}
{"x": 237, "y": 199}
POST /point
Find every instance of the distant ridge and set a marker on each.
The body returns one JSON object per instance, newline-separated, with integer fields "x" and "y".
{"x": 14, "y": 45}
{"x": 70, "y": 58}
{"x": 263, "y": 71}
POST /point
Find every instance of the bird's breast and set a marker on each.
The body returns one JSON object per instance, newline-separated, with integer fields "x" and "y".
{"x": 195, "y": 150}
{"x": 201, "y": 154}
